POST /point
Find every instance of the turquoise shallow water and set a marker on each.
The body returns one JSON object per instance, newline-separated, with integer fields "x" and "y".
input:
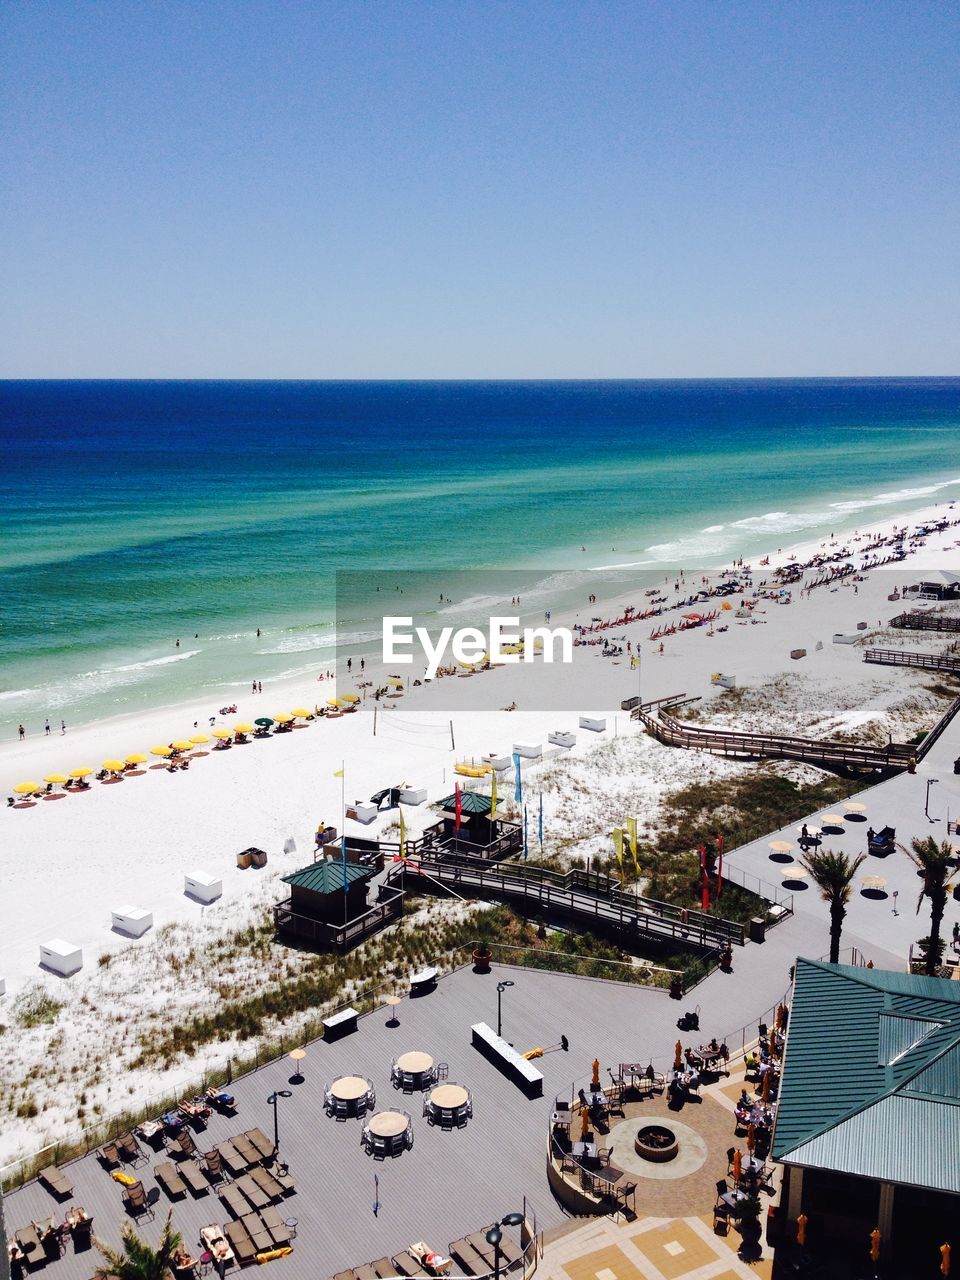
{"x": 137, "y": 513}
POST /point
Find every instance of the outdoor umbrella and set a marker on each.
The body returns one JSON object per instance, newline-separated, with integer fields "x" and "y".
{"x": 855, "y": 806}
{"x": 161, "y": 751}
{"x": 83, "y": 772}
{"x": 198, "y": 739}
{"x": 873, "y": 882}
{"x": 831, "y": 818}
{"x": 678, "y": 1055}
{"x": 137, "y": 758}
{"x": 222, "y": 734}
{"x": 243, "y": 727}
{"x": 115, "y": 766}
{"x": 56, "y": 778}
{"x": 332, "y": 702}
{"x": 781, "y": 846}
{"x": 584, "y": 1123}
{"x": 737, "y": 1164}
{"x": 183, "y": 745}
{"x": 351, "y": 697}
{"x": 284, "y": 717}
{"x": 264, "y": 722}
{"x": 751, "y": 1136}
{"x": 302, "y": 712}
{"x": 26, "y": 788}
{"x": 795, "y": 873}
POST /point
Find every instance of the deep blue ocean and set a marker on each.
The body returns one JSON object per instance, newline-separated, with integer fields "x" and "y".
{"x": 136, "y": 513}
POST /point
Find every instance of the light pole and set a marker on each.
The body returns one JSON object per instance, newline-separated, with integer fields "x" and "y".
{"x": 501, "y": 988}
{"x": 272, "y": 1102}
{"x": 495, "y": 1235}
{"x": 931, "y": 782}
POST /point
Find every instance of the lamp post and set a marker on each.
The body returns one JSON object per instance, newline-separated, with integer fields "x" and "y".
{"x": 495, "y": 1235}
{"x": 501, "y": 987}
{"x": 931, "y": 782}
{"x": 272, "y": 1102}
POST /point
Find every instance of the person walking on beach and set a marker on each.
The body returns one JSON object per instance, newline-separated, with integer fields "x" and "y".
{"x": 46, "y": 729}
{"x": 259, "y": 686}
{"x": 23, "y": 733}
{"x": 254, "y": 688}
{"x": 63, "y": 727}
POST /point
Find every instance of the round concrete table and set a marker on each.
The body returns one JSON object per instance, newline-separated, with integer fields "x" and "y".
{"x": 349, "y": 1089}
{"x": 449, "y": 1097}
{"x": 415, "y": 1063}
{"x": 388, "y": 1124}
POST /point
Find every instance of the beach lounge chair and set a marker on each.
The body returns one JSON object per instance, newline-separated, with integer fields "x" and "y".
{"x": 222, "y": 1100}
{"x": 243, "y": 1247}
{"x": 192, "y": 1175}
{"x": 246, "y": 1148}
{"x": 56, "y": 1180}
{"x": 256, "y": 1195}
{"x": 279, "y": 1231}
{"x": 184, "y": 1142}
{"x": 216, "y": 1243}
{"x": 258, "y": 1232}
{"x": 366, "y": 1272}
{"x": 434, "y": 1263}
{"x": 135, "y": 1199}
{"x": 234, "y": 1199}
{"x": 470, "y": 1261}
{"x": 260, "y": 1141}
{"x": 109, "y": 1155}
{"x": 233, "y": 1161}
{"x": 267, "y": 1183}
{"x": 281, "y": 1175}
{"x": 30, "y": 1246}
{"x": 168, "y": 1178}
{"x": 82, "y": 1233}
{"x": 406, "y": 1264}
{"x": 384, "y": 1268}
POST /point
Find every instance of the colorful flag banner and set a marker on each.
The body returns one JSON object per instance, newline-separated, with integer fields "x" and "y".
{"x": 540, "y": 825}
{"x": 632, "y": 836}
{"x": 617, "y": 834}
{"x": 518, "y": 785}
{"x": 493, "y": 794}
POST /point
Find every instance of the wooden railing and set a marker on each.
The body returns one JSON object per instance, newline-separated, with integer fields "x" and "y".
{"x": 338, "y": 937}
{"x": 926, "y": 661}
{"x": 925, "y": 622}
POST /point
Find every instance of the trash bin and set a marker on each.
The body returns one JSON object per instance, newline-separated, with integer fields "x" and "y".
{"x": 757, "y": 929}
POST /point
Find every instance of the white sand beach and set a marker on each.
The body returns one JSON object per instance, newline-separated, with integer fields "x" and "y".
{"x": 69, "y": 862}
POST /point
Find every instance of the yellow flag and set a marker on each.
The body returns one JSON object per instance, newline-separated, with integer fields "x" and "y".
{"x": 403, "y": 835}
{"x": 618, "y": 849}
{"x": 632, "y": 836}
{"x": 493, "y": 794}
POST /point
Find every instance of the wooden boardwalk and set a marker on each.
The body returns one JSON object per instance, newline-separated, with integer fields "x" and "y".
{"x": 835, "y": 757}
{"x": 451, "y": 1183}
{"x": 925, "y": 622}
{"x": 590, "y": 901}
{"x": 903, "y": 658}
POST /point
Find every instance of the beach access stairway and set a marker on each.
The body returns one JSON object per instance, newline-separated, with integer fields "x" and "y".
{"x": 948, "y": 661}
{"x": 835, "y": 757}
{"x": 589, "y": 899}
{"x": 910, "y": 621}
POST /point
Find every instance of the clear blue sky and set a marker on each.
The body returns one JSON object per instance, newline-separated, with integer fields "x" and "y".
{"x": 461, "y": 189}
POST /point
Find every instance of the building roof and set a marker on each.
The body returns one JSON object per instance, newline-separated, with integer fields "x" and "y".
{"x": 471, "y": 802}
{"x": 327, "y": 876}
{"x": 871, "y": 1076}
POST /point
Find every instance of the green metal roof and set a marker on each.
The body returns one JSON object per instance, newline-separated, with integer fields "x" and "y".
{"x": 471, "y": 802}
{"x": 327, "y": 876}
{"x": 871, "y": 1076}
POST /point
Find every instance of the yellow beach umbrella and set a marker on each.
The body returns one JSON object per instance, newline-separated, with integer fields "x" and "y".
{"x": 398, "y": 684}
{"x": 781, "y": 846}
{"x": 351, "y": 697}
{"x": 243, "y": 727}
{"x": 115, "y": 766}
{"x": 83, "y": 772}
{"x": 161, "y": 751}
{"x": 183, "y": 745}
{"x": 223, "y": 734}
{"x": 137, "y": 758}
{"x": 26, "y": 788}
{"x": 302, "y": 712}
{"x": 56, "y": 778}
{"x": 332, "y": 702}
{"x": 342, "y": 703}
{"x": 284, "y": 717}
{"x": 199, "y": 739}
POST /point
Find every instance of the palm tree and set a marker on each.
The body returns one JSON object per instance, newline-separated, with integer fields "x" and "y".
{"x": 138, "y": 1260}
{"x": 833, "y": 875}
{"x": 934, "y": 861}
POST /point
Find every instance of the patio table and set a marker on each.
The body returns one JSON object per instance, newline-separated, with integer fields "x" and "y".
{"x": 388, "y": 1124}
{"x": 449, "y": 1097}
{"x": 349, "y": 1088}
{"x": 415, "y": 1063}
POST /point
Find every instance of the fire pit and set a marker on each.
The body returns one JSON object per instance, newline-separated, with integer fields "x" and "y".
{"x": 657, "y": 1143}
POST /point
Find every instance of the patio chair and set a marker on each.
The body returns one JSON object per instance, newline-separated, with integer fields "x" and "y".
{"x": 213, "y": 1165}
{"x": 233, "y": 1161}
{"x": 184, "y": 1142}
{"x": 471, "y": 1262}
{"x": 109, "y": 1155}
{"x": 267, "y": 1183}
{"x": 240, "y": 1242}
{"x": 129, "y": 1149}
{"x": 282, "y": 1175}
{"x": 721, "y": 1218}
{"x": 234, "y": 1199}
{"x": 731, "y": 1152}
{"x": 56, "y": 1181}
{"x": 168, "y": 1178}
{"x": 82, "y": 1234}
{"x": 30, "y": 1245}
{"x": 603, "y": 1155}
{"x": 135, "y": 1199}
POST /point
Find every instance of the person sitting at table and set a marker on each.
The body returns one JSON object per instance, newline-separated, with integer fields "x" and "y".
{"x": 713, "y": 1046}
